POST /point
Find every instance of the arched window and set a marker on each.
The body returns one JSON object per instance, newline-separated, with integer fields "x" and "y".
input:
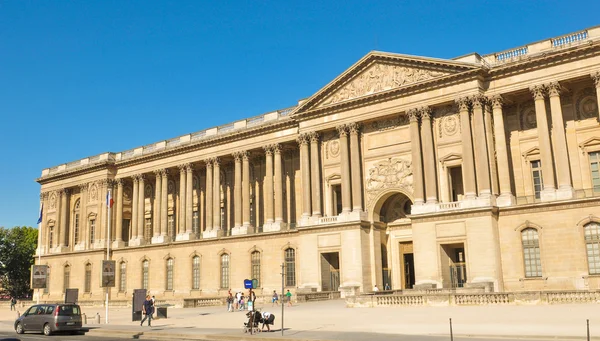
{"x": 123, "y": 277}
{"x": 196, "y": 272}
{"x": 67, "y": 277}
{"x": 592, "y": 245}
{"x": 50, "y": 236}
{"x": 92, "y": 231}
{"x": 145, "y": 269}
{"x": 255, "y": 265}
{"x": 290, "y": 267}
{"x": 76, "y": 223}
{"x": 224, "y": 271}
{"x": 169, "y": 274}
{"x": 88, "y": 278}
{"x": 531, "y": 252}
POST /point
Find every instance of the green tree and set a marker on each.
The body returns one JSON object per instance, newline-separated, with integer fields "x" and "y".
{"x": 17, "y": 250}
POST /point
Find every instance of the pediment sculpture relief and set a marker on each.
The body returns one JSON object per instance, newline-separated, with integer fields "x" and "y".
{"x": 380, "y": 77}
{"x": 390, "y": 173}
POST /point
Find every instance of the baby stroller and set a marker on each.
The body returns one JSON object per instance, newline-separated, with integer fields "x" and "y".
{"x": 254, "y": 318}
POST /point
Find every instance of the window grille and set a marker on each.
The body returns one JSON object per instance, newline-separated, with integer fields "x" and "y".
{"x": 224, "y": 271}
{"x": 255, "y": 265}
{"x": 67, "y": 278}
{"x": 536, "y": 173}
{"x": 531, "y": 252}
{"x": 145, "y": 269}
{"x": 169, "y": 274}
{"x": 290, "y": 267}
{"x": 196, "y": 272}
{"x": 123, "y": 277}
{"x": 88, "y": 278}
{"x": 592, "y": 244}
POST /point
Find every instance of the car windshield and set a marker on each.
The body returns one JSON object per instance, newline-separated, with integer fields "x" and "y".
{"x": 68, "y": 310}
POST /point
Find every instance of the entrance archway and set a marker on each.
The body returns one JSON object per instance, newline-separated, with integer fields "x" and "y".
{"x": 391, "y": 207}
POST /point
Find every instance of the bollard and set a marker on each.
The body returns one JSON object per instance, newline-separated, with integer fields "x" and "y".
{"x": 18, "y": 314}
{"x": 97, "y": 319}
{"x": 588, "y": 329}
{"x": 451, "y": 334}
{"x": 83, "y": 318}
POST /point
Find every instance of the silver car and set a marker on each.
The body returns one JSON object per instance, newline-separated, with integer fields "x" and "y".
{"x": 50, "y": 318}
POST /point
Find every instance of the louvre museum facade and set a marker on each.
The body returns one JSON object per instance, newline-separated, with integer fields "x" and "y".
{"x": 404, "y": 171}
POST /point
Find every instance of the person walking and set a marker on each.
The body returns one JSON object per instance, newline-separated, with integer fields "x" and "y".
{"x": 230, "y": 303}
{"x": 13, "y": 303}
{"x": 275, "y": 299}
{"x": 238, "y": 298}
{"x": 288, "y": 295}
{"x": 148, "y": 310}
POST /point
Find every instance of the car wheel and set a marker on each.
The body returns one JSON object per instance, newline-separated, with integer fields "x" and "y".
{"x": 47, "y": 330}
{"x": 19, "y": 329}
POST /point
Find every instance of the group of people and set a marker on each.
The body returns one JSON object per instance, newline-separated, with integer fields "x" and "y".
{"x": 239, "y": 301}
{"x": 275, "y": 298}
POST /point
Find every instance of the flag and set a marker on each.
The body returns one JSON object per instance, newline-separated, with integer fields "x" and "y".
{"x": 109, "y": 199}
{"x": 41, "y": 213}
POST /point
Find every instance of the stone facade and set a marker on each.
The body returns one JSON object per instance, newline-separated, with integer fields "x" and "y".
{"x": 404, "y": 171}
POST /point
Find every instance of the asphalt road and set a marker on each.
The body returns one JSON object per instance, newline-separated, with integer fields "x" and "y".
{"x": 58, "y": 337}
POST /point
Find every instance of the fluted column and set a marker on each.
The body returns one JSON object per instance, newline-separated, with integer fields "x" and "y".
{"x": 481, "y": 157}
{"x": 305, "y": 169}
{"x": 428, "y": 156}
{"x": 141, "y": 209}
{"x": 468, "y": 165}
{"x": 216, "y": 194}
{"x": 64, "y": 208}
{"x": 83, "y": 188}
{"x": 245, "y": 189}
{"x": 596, "y": 78}
{"x": 506, "y": 196}
{"x": 164, "y": 206}
{"x": 561, "y": 155}
{"x": 538, "y": 92}
{"x": 119, "y": 223}
{"x": 278, "y": 185}
{"x": 157, "y": 211}
{"x": 345, "y": 159}
{"x": 491, "y": 147}
{"x": 415, "y": 144}
{"x": 209, "y": 195}
{"x": 189, "y": 202}
{"x": 182, "y": 198}
{"x": 315, "y": 173}
{"x": 134, "y": 208}
{"x": 237, "y": 189}
{"x": 268, "y": 184}
{"x": 357, "y": 191}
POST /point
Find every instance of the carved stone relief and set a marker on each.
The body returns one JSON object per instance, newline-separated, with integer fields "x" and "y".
{"x": 52, "y": 201}
{"x": 148, "y": 191}
{"x": 390, "y": 123}
{"x": 93, "y": 192}
{"x": 390, "y": 173}
{"x": 380, "y": 77}
{"x": 527, "y": 116}
{"x": 333, "y": 148}
{"x": 587, "y": 105}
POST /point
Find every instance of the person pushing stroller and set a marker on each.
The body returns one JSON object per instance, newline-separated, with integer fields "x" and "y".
{"x": 267, "y": 319}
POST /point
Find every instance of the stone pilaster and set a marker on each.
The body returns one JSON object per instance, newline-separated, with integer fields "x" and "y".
{"x": 596, "y": 78}
{"x": 237, "y": 189}
{"x": 278, "y": 185}
{"x": 468, "y": 165}
{"x": 268, "y": 184}
{"x": 141, "y": 203}
{"x": 182, "y": 201}
{"x": 417, "y": 168}
{"x": 491, "y": 147}
{"x": 561, "y": 156}
{"x": 157, "y": 209}
{"x": 64, "y": 209}
{"x": 208, "y": 233}
{"x": 428, "y": 156}
{"x": 303, "y": 141}
{"x": 134, "y": 210}
{"x": 355, "y": 168}
{"x": 119, "y": 243}
{"x": 315, "y": 173}
{"x": 481, "y": 155}
{"x": 506, "y": 197}
{"x": 188, "y": 234}
{"x": 549, "y": 189}
{"x": 83, "y": 231}
{"x": 164, "y": 205}
{"x": 216, "y": 195}
{"x": 345, "y": 165}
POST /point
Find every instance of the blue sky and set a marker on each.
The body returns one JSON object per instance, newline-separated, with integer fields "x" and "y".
{"x": 78, "y": 78}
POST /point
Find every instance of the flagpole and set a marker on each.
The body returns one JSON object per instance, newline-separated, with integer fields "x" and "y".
{"x": 40, "y": 247}
{"x": 109, "y": 198}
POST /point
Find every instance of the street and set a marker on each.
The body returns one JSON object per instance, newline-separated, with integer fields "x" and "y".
{"x": 12, "y": 336}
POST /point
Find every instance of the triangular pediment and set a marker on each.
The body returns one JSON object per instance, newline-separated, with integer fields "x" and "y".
{"x": 380, "y": 72}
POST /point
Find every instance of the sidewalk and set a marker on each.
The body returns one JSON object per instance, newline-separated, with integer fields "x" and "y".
{"x": 331, "y": 320}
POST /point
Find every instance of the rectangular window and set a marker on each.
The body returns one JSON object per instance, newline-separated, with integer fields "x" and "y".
{"x": 50, "y": 236}
{"x": 531, "y": 252}
{"x": 76, "y": 230}
{"x": 67, "y": 278}
{"x": 171, "y": 226}
{"x": 145, "y": 269}
{"x": 224, "y": 271}
{"x": 290, "y": 267}
{"x": 337, "y": 199}
{"x": 456, "y": 183}
{"x": 255, "y": 264}
{"x": 169, "y": 274}
{"x": 92, "y": 231}
{"x": 196, "y": 272}
{"x": 536, "y": 174}
{"x": 195, "y": 223}
{"x": 148, "y": 230}
{"x": 88, "y": 278}
{"x": 123, "y": 277}
{"x": 595, "y": 170}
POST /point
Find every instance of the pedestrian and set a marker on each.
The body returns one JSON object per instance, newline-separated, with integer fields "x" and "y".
{"x": 230, "y": 303}
{"x": 153, "y": 303}
{"x": 375, "y": 288}
{"x": 251, "y": 296}
{"x": 242, "y": 304}
{"x": 13, "y": 303}
{"x": 238, "y": 297}
{"x": 267, "y": 319}
{"x": 288, "y": 295}
{"x": 387, "y": 286}
{"x": 148, "y": 310}
{"x": 275, "y": 299}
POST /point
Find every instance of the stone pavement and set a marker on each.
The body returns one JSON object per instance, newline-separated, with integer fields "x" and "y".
{"x": 331, "y": 320}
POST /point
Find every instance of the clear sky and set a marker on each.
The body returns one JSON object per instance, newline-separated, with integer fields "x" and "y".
{"x": 79, "y": 78}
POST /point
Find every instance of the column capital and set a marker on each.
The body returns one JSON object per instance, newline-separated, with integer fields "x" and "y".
{"x": 596, "y": 78}
{"x": 276, "y": 148}
{"x": 497, "y": 101}
{"x": 63, "y": 191}
{"x": 554, "y": 89}
{"x": 268, "y": 149}
{"x": 83, "y": 186}
{"x": 342, "y": 130}
{"x": 303, "y": 139}
{"x": 44, "y": 195}
{"x": 216, "y": 161}
{"x": 314, "y": 137}
{"x": 119, "y": 182}
{"x": 239, "y": 155}
{"x": 463, "y": 103}
{"x": 354, "y": 128}
{"x": 413, "y": 115}
{"x": 425, "y": 113}
{"x": 184, "y": 167}
{"x": 478, "y": 101}
{"x": 538, "y": 91}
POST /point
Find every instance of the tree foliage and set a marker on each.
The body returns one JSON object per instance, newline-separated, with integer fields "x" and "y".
{"x": 17, "y": 250}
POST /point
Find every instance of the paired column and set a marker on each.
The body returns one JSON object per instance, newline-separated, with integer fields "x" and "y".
{"x": 189, "y": 203}
{"x": 303, "y": 141}
{"x": 491, "y": 148}
{"x": 428, "y": 155}
{"x": 141, "y": 209}
{"x": 182, "y": 200}
{"x": 64, "y": 208}
{"x": 237, "y": 189}
{"x": 268, "y": 184}
{"x": 538, "y": 92}
{"x": 83, "y": 231}
{"x": 415, "y": 144}
{"x": 561, "y": 155}
{"x": 357, "y": 191}
{"x": 119, "y": 223}
{"x": 245, "y": 188}
{"x": 468, "y": 165}
{"x": 315, "y": 172}
{"x": 157, "y": 214}
{"x": 481, "y": 156}
{"x": 278, "y": 184}
{"x": 216, "y": 194}
{"x": 506, "y": 196}
{"x": 209, "y": 197}
{"x": 596, "y": 78}
{"x": 134, "y": 209}
{"x": 345, "y": 160}
{"x": 164, "y": 193}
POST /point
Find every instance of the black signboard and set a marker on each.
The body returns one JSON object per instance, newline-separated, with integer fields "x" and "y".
{"x": 39, "y": 276}
{"x": 108, "y": 273}
{"x": 71, "y": 295}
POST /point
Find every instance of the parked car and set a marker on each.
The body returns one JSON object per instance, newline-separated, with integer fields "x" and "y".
{"x": 50, "y": 318}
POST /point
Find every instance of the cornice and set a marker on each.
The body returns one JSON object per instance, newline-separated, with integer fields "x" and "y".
{"x": 549, "y": 206}
{"x": 108, "y": 165}
{"x": 458, "y": 214}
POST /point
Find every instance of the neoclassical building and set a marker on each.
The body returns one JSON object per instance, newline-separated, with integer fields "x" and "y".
{"x": 412, "y": 172}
